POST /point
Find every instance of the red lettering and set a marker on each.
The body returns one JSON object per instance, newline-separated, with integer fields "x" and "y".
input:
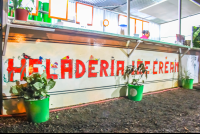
{"x": 11, "y": 70}
{"x": 68, "y": 69}
{"x": 146, "y": 67}
{"x": 160, "y": 67}
{"x": 167, "y": 62}
{"x": 120, "y": 68}
{"x": 103, "y": 68}
{"x": 31, "y": 64}
{"x": 154, "y": 63}
{"x": 79, "y": 62}
{"x": 112, "y": 67}
{"x": 176, "y": 66}
{"x": 171, "y": 67}
{"x": 91, "y": 62}
{"x": 49, "y": 76}
{"x": 138, "y": 63}
{"x": 133, "y": 64}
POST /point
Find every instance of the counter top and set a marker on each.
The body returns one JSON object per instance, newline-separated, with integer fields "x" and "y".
{"x": 80, "y": 36}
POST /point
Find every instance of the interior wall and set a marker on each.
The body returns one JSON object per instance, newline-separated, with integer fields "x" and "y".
{"x": 169, "y": 30}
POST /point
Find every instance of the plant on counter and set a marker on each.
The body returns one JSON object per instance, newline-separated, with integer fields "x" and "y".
{"x": 186, "y": 79}
{"x": 196, "y": 37}
{"x": 134, "y": 86}
{"x": 21, "y": 13}
{"x": 34, "y": 92}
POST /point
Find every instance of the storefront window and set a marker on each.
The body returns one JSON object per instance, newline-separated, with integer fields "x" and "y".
{"x": 139, "y": 27}
{"x": 84, "y": 14}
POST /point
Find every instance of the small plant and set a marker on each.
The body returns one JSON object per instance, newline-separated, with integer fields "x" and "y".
{"x": 36, "y": 87}
{"x": 186, "y": 75}
{"x": 17, "y": 4}
{"x": 130, "y": 69}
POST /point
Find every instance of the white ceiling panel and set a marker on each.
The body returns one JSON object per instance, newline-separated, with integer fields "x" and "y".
{"x": 167, "y": 10}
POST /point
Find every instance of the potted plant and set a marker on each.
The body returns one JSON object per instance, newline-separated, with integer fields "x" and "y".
{"x": 135, "y": 90}
{"x": 36, "y": 99}
{"x": 21, "y": 13}
{"x": 187, "y": 81}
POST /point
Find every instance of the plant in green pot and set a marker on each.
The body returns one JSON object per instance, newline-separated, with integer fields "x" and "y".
{"x": 135, "y": 90}
{"x": 21, "y": 13}
{"x": 187, "y": 81}
{"x": 36, "y": 99}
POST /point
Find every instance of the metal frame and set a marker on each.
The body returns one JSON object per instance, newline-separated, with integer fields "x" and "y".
{"x": 1, "y": 40}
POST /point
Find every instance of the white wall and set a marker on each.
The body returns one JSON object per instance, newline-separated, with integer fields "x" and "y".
{"x": 169, "y": 30}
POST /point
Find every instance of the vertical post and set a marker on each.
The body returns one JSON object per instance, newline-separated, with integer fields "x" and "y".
{"x": 128, "y": 17}
{"x": 104, "y": 17}
{"x": 179, "y": 68}
{"x": 1, "y": 41}
{"x": 179, "y": 15}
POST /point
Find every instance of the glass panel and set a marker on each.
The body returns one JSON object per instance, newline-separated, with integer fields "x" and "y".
{"x": 145, "y": 25}
{"x": 122, "y": 20}
{"x": 139, "y": 27}
{"x": 62, "y": 6}
{"x": 132, "y": 27}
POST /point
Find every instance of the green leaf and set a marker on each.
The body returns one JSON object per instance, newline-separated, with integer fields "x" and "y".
{"x": 38, "y": 85}
{"x": 14, "y": 90}
{"x": 36, "y": 93}
{"x": 26, "y": 96}
{"x": 28, "y": 80}
{"x": 47, "y": 88}
{"x": 44, "y": 75}
{"x": 51, "y": 83}
{"x": 44, "y": 94}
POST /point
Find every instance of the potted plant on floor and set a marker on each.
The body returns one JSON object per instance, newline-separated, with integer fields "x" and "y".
{"x": 21, "y": 13}
{"x": 187, "y": 81}
{"x": 36, "y": 99}
{"x": 135, "y": 90}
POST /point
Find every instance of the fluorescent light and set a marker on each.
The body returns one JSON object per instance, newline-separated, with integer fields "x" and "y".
{"x": 195, "y": 2}
{"x": 152, "y": 5}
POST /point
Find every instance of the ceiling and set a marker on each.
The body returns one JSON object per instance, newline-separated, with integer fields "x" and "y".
{"x": 163, "y": 12}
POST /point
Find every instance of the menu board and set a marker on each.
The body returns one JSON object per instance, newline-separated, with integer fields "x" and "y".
{"x": 29, "y": 3}
{"x": 58, "y": 9}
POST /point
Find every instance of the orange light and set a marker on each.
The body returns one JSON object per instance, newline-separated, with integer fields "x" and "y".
{"x": 38, "y": 40}
{"x": 20, "y": 38}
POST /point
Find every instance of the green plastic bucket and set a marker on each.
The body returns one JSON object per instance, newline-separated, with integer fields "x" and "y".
{"x": 46, "y": 18}
{"x": 187, "y": 83}
{"x": 135, "y": 92}
{"x": 9, "y": 11}
{"x": 46, "y": 6}
{"x": 39, "y": 17}
{"x": 37, "y": 111}
{"x": 30, "y": 17}
{"x": 39, "y": 5}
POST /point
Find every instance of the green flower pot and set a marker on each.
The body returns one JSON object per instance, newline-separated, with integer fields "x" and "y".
{"x": 37, "y": 111}
{"x": 187, "y": 83}
{"x": 9, "y": 11}
{"x": 46, "y": 6}
{"x": 46, "y": 18}
{"x": 135, "y": 93}
{"x": 30, "y": 17}
{"x": 39, "y": 5}
{"x": 39, "y": 17}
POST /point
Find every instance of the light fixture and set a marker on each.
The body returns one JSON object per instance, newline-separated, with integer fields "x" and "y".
{"x": 152, "y": 5}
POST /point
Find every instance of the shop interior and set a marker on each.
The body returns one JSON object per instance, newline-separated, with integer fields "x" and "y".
{"x": 168, "y": 21}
